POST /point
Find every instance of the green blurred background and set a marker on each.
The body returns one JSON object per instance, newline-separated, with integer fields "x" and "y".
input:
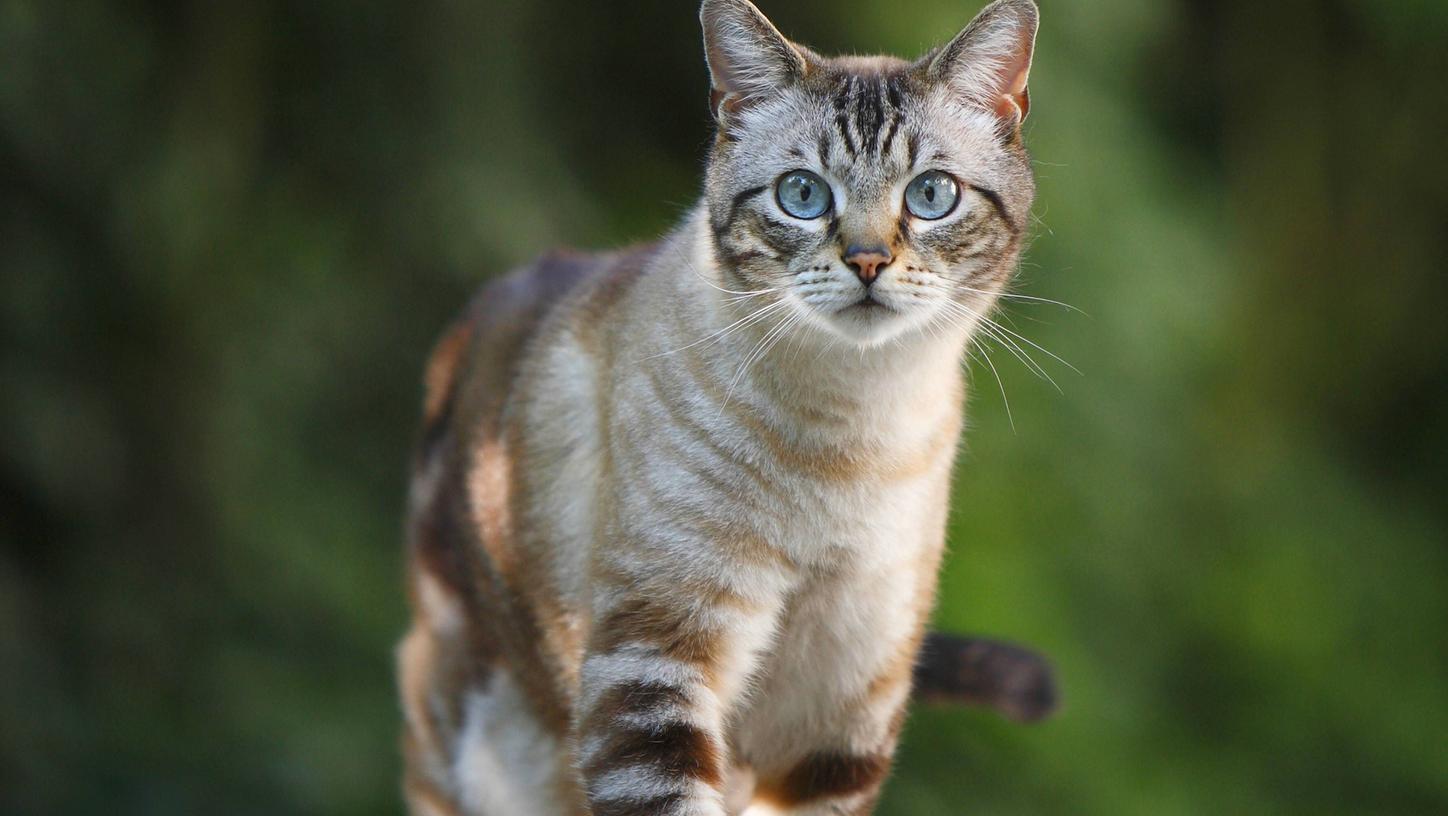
{"x": 229, "y": 233}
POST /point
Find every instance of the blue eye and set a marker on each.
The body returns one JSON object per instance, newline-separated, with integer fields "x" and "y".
{"x": 803, "y": 194}
{"x": 932, "y": 195}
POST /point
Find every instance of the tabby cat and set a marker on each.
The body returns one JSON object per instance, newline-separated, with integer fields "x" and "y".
{"x": 677, "y": 511}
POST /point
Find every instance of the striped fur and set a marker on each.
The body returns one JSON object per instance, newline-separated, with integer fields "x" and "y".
{"x": 677, "y": 511}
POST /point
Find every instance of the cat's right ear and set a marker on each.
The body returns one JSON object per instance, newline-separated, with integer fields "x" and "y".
{"x": 748, "y": 58}
{"x": 989, "y": 62}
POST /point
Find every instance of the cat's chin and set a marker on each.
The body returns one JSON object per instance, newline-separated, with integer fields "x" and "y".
{"x": 871, "y": 322}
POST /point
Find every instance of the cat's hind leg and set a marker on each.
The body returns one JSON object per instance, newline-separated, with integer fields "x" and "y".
{"x": 432, "y": 674}
{"x": 472, "y": 746}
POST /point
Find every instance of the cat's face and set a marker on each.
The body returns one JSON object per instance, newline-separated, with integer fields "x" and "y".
{"x": 874, "y": 195}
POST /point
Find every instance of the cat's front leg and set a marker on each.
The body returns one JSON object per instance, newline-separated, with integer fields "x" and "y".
{"x": 662, "y": 668}
{"x": 841, "y": 776}
{"x": 822, "y": 731}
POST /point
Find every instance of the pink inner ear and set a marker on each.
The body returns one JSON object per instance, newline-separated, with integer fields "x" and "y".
{"x": 1008, "y": 110}
{"x": 1015, "y": 100}
{"x": 1013, "y": 107}
{"x": 716, "y": 101}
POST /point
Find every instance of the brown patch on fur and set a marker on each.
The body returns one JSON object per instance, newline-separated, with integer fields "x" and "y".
{"x": 662, "y": 741}
{"x": 715, "y": 594}
{"x": 635, "y": 698}
{"x": 426, "y": 799}
{"x": 445, "y": 651}
{"x": 826, "y": 775}
{"x": 754, "y": 549}
{"x": 674, "y": 748}
{"x": 434, "y": 668}
{"x": 441, "y": 376}
{"x": 836, "y": 464}
{"x": 826, "y": 463}
{"x": 662, "y": 623}
{"x": 528, "y": 602}
{"x": 698, "y": 590}
{"x": 439, "y": 536}
{"x": 424, "y": 785}
{"x": 749, "y": 547}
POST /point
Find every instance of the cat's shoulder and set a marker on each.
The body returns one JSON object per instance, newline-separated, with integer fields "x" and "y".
{"x": 490, "y": 335}
{"x": 518, "y": 301}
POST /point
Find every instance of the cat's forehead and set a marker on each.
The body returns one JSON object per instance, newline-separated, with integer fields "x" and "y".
{"x": 849, "y": 112}
{"x": 869, "y": 119}
{"x": 867, "y": 123}
{"x": 866, "y": 92}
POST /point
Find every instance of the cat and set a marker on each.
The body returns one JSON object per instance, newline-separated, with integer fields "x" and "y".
{"x": 677, "y": 511}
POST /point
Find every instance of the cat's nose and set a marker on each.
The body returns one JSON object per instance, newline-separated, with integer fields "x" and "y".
{"x": 868, "y": 261}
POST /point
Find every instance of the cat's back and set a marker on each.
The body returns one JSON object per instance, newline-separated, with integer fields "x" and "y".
{"x": 481, "y": 352}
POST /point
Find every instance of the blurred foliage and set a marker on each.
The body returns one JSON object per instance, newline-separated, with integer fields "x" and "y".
{"x": 228, "y": 233}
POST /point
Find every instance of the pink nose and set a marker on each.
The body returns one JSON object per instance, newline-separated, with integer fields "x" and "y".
{"x": 867, "y": 263}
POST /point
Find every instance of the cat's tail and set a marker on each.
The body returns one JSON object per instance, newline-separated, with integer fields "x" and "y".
{"x": 1012, "y": 680}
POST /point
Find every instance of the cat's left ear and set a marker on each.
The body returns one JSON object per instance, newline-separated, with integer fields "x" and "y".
{"x": 748, "y": 58}
{"x": 989, "y": 62}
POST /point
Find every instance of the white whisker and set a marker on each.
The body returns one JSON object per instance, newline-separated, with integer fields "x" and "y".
{"x": 1032, "y": 343}
{"x": 987, "y": 328}
{"x": 679, "y": 251}
{"x": 1016, "y": 296}
{"x": 1010, "y": 418}
{"x": 752, "y": 317}
{"x": 760, "y": 349}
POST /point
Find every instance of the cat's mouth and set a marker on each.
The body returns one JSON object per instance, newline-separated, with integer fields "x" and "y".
{"x": 870, "y": 319}
{"x": 869, "y": 303}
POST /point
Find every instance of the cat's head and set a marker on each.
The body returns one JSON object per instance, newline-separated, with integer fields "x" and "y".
{"x": 877, "y": 196}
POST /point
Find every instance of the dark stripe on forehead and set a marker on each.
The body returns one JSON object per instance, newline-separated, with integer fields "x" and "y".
{"x": 843, "y": 125}
{"x": 868, "y": 114}
{"x": 913, "y": 149}
{"x": 879, "y": 122}
{"x": 890, "y": 134}
{"x": 843, "y": 88}
{"x": 892, "y": 89}
{"x": 843, "y": 95}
